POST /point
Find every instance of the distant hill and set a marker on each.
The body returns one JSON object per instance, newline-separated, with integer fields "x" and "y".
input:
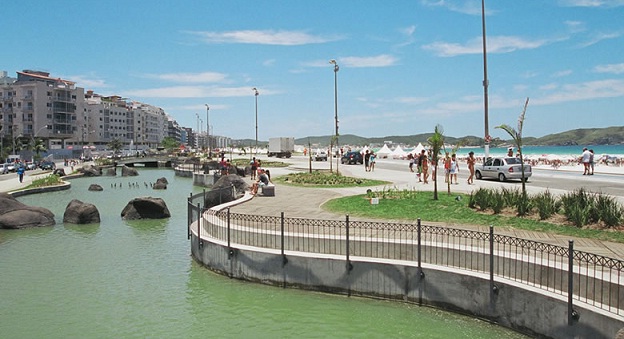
{"x": 583, "y": 136}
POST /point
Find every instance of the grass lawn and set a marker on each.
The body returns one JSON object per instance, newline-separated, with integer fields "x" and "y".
{"x": 450, "y": 209}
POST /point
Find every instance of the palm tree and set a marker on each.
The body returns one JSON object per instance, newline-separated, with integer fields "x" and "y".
{"x": 436, "y": 141}
{"x": 37, "y": 146}
{"x": 516, "y": 135}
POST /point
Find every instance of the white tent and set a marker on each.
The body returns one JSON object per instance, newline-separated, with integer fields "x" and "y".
{"x": 383, "y": 152}
{"x": 398, "y": 153}
{"x": 417, "y": 150}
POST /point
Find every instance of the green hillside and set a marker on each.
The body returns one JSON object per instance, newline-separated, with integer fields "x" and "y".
{"x": 584, "y": 136}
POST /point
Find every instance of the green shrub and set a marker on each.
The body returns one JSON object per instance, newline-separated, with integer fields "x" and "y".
{"x": 547, "y": 205}
{"x": 579, "y": 207}
{"x": 482, "y": 198}
{"x": 497, "y": 201}
{"x": 524, "y": 205}
{"x": 609, "y": 211}
{"x": 511, "y": 197}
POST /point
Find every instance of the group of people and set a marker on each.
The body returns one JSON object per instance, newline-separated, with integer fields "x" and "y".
{"x": 587, "y": 158}
{"x": 261, "y": 176}
{"x": 422, "y": 162}
{"x": 369, "y": 161}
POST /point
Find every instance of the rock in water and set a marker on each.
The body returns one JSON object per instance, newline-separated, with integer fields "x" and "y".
{"x": 128, "y": 172}
{"x": 14, "y": 214}
{"x": 145, "y": 208}
{"x": 95, "y": 187}
{"x": 78, "y": 212}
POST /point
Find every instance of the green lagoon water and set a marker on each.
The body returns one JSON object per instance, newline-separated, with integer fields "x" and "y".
{"x": 136, "y": 279}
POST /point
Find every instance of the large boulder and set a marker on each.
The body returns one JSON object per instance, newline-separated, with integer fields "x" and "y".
{"x": 90, "y": 171}
{"x": 222, "y": 192}
{"x": 78, "y": 212}
{"x": 111, "y": 172}
{"x": 145, "y": 208}
{"x": 14, "y": 214}
{"x": 128, "y": 172}
{"x": 95, "y": 187}
{"x": 161, "y": 184}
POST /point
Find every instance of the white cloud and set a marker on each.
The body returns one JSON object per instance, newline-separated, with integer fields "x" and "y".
{"x": 496, "y": 44}
{"x": 195, "y": 92}
{"x": 591, "y": 3}
{"x": 383, "y": 60}
{"x": 204, "y": 77}
{"x": 266, "y": 37}
{"x": 472, "y": 7}
{"x": 269, "y": 62}
{"x": 575, "y": 26}
{"x": 563, "y": 73}
{"x": 584, "y": 91}
{"x": 600, "y": 37}
{"x": 612, "y": 68}
{"x": 86, "y": 81}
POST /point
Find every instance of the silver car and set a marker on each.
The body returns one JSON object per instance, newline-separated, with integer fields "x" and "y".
{"x": 503, "y": 169}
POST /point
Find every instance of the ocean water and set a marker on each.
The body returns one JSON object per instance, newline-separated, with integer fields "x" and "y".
{"x": 575, "y": 151}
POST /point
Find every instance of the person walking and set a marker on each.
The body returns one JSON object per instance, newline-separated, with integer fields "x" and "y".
{"x": 20, "y": 172}
{"x": 454, "y": 169}
{"x": 425, "y": 168}
{"x": 371, "y": 164}
{"x": 585, "y": 160}
{"x": 591, "y": 161}
{"x": 367, "y": 161}
{"x": 471, "y": 167}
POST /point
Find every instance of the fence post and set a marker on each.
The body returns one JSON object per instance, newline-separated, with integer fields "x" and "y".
{"x": 189, "y": 215}
{"x": 493, "y": 287}
{"x": 284, "y": 260}
{"x": 572, "y": 314}
{"x": 228, "y": 229}
{"x": 419, "y": 248}
{"x": 349, "y": 266}
{"x": 199, "y": 219}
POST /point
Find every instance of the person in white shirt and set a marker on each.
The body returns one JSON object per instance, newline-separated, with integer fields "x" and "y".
{"x": 585, "y": 159}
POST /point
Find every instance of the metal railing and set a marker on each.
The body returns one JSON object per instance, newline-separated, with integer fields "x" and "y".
{"x": 589, "y": 278}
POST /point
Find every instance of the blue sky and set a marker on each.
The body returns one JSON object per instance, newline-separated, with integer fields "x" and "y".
{"x": 405, "y": 65}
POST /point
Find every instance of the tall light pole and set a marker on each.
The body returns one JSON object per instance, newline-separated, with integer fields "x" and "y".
{"x": 336, "y": 68}
{"x": 208, "y": 130}
{"x": 256, "y": 93}
{"x": 197, "y": 131}
{"x": 485, "y": 85}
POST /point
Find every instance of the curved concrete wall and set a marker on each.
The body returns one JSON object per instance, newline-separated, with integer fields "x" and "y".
{"x": 515, "y": 306}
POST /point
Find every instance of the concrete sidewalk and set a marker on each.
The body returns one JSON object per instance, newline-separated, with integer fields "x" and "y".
{"x": 306, "y": 203}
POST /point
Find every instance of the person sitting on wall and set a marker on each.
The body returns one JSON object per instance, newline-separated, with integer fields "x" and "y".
{"x": 263, "y": 180}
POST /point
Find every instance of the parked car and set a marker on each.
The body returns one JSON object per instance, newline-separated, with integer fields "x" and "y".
{"x": 11, "y": 167}
{"x": 503, "y": 169}
{"x": 319, "y": 156}
{"x": 30, "y": 166}
{"x": 352, "y": 158}
{"x": 4, "y": 168}
{"x": 47, "y": 165}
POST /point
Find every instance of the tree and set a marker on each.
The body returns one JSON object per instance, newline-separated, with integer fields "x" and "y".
{"x": 436, "y": 141}
{"x": 37, "y": 146}
{"x": 170, "y": 144}
{"x": 116, "y": 145}
{"x": 516, "y": 135}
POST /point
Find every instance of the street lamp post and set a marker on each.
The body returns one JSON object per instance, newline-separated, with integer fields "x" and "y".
{"x": 256, "y": 93}
{"x": 336, "y": 68}
{"x": 485, "y": 85}
{"x": 208, "y": 130}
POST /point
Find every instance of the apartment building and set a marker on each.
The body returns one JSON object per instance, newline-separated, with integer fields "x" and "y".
{"x": 37, "y": 105}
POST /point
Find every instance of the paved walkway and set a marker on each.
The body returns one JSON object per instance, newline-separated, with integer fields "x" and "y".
{"x": 306, "y": 203}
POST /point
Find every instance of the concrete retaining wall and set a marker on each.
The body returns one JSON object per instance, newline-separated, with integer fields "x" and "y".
{"x": 519, "y": 307}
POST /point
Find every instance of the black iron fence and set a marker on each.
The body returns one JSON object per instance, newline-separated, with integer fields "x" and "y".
{"x": 581, "y": 276}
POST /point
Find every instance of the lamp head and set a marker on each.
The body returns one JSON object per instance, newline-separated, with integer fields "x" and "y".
{"x": 332, "y": 61}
